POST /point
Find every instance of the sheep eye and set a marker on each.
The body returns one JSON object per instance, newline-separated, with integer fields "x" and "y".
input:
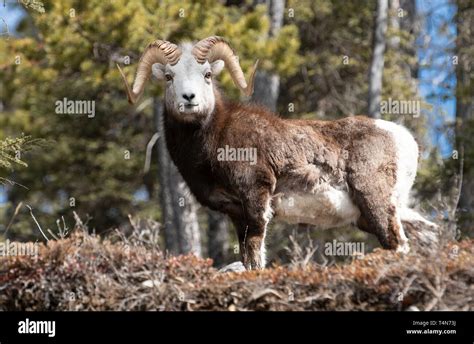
{"x": 207, "y": 75}
{"x": 168, "y": 77}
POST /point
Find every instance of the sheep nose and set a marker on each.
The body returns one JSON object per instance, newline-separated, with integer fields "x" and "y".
{"x": 188, "y": 96}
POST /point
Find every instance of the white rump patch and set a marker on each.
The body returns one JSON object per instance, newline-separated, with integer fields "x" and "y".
{"x": 407, "y": 160}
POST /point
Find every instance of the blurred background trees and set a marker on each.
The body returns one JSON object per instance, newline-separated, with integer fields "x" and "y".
{"x": 315, "y": 62}
{"x": 464, "y": 129}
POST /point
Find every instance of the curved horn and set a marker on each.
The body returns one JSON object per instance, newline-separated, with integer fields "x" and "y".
{"x": 156, "y": 52}
{"x": 216, "y": 48}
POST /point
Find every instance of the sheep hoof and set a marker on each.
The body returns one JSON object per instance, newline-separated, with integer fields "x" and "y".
{"x": 234, "y": 267}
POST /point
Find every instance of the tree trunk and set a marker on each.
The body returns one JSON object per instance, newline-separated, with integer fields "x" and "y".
{"x": 411, "y": 23}
{"x": 394, "y": 41}
{"x": 267, "y": 85}
{"x": 218, "y": 242}
{"x": 403, "y": 19}
{"x": 465, "y": 115}
{"x": 178, "y": 207}
{"x": 377, "y": 64}
{"x": 166, "y": 199}
{"x": 185, "y": 215}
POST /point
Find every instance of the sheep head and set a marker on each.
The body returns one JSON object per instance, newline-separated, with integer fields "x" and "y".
{"x": 188, "y": 71}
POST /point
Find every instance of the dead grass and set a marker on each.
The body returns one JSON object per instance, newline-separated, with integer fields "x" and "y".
{"x": 84, "y": 272}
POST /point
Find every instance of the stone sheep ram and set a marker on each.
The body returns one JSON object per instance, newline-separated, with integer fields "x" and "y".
{"x": 329, "y": 174}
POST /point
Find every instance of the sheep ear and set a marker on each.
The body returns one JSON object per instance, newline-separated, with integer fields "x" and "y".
{"x": 158, "y": 71}
{"x": 217, "y": 67}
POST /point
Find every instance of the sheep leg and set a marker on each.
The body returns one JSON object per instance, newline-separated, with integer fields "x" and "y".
{"x": 385, "y": 224}
{"x": 251, "y": 229}
{"x": 379, "y": 215}
{"x": 373, "y": 170}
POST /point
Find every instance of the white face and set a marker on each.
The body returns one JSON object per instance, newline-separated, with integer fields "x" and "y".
{"x": 189, "y": 86}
